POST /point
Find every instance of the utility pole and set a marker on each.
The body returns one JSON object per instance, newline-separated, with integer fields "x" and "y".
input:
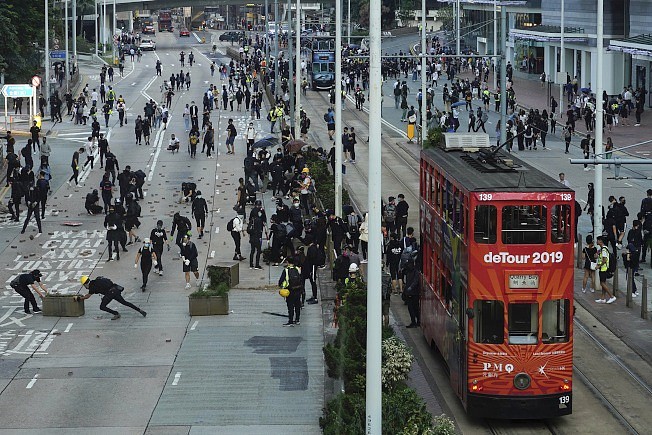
{"x": 97, "y": 25}
{"x": 74, "y": 32}
{"x": 562, "y": 62}
{"x": 66, "y": 62}
{"x": 495, "y": 44}
{"x": 46, "y": 55}
{"x": 115, "y": 31}
{"x": 290, "y": 69}
{"x": 337, "y": 90}
{"x": 424, "y": 119}
{"x": 104, "y": 27}
{"x": 373, "y": 392}
{"x": 348, "y": 24}
{"x": 297, "y": 80}
{"x": 599, "y": 113}
{"x": 459, "y": 24}
{"x": 503, "y": 73}
{"x": 266, "y": 39}
{"x": 276, "y": 62}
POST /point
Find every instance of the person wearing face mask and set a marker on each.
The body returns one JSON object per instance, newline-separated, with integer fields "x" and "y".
{"x": 189, "y": 261}
{"x": 147, "y": 257}
{"x": 199, "y": 211}
{"x": 250, "y": 135}
{"x": 183, "y": 224}
{"x": 159, "y": 237}
{"x": 306, "y": 188}
{"x": 296, "y": 219}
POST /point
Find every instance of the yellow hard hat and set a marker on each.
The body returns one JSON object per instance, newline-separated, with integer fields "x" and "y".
{"x": 284, "y": 292}
{"x": 304, "y": 170}
{"x": 84, "y": 279}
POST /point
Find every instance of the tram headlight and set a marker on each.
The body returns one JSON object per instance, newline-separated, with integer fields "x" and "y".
{"x": 522, "y": 381}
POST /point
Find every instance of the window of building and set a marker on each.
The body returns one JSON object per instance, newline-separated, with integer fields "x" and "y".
{"x": 437, "y": 193}
{"x": 560, "y": 224}
{"x": 488, "y": 322}
{"x": 523, "y": 324}
{"x": 524, "y": 225}
{"x": 484, "y": 223}
{"x": 555, "y": 321}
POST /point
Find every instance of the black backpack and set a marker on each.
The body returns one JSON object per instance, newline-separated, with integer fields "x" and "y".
{"x": 611, "y": 269}
{"x": 229, "y": 225}
{"x": 293, "y": 278}
{"x": 352, "y": 224}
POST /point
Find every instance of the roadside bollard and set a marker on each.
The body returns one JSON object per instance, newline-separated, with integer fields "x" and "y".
{"x": 615, "y": 281}
{"x": 644, "y": 299}
{"x": 578, "y": 253}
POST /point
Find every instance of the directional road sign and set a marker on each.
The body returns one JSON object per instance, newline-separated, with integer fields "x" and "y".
{"x": 57, "y": 54}
{"x": 17, "y": 91}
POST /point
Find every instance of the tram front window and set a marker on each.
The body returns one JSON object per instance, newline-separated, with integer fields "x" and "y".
{"x": 484, "y": 223}
{"x": 488, "y": 322}
{"x": 524, "y": 224}
{"x": 523, "y": 323}
{"x": 556, "y": 317}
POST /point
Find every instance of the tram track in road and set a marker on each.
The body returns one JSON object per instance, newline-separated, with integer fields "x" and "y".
{"x": 404, "y": 163}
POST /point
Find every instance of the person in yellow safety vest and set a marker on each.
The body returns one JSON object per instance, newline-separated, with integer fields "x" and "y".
{"x": 291, "y": 279}
{"x": 273, "y": 115}
{"x": 353, "y": 274}
{"x": 110, "y": 96}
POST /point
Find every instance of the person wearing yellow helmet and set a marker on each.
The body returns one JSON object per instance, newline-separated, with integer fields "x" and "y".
{"x": 291, "y": 281}
{"x": 109, "y": 290}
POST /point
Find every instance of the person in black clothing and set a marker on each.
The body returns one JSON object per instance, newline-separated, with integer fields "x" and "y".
{"x": 255, "y": 228}
{"x": 109, "y": 291}
{"x": 74, "y": 164}
{"x": 278, "y": 230}
{"x": 20, "y": 285}
{"x": 159, "y": 236}
{"x": 402, "y": 208}
{"x": 147, "y": 257}
{"x": 183, "y": 224}
{"x": 111, "y": 165}
{"x": 393, "y": 260}
{"x": 26, "y": 152}
{"x": 189, "y": 257}
{"x": 412, "y": 292}
{"x": 103, "y": 146}
{"x": 33, "y": 200}
{"x": 107, "y": 191}
{"x": 338, "y": 231}
{"x": 309, "y": 268}
{"x": 124, "y": 181}
{"x": 91, "y": 204}
{"x": 291, "y": 279}
{"x": 113, "y": 222}
{"x": 199, "y": 211}
{"x": 42, "y": 188}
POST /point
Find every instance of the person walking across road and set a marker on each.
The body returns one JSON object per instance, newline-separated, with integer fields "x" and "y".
{"x": 412, "y": 292}
{"x": 33, "y": 200}
{"x": 21, "y": 285}
{"x": 181, "y": 223}
{"x": 199, "y": 211}
{"x": 74, "y": 164}
{"x": 159, "y": 237}
{"x": 147, "y": 258}
{"x": 603, "y": 268}
{"x": 236, "y": 228}
{"x": 189, "y": 259}
{"x": 109, "y": 291}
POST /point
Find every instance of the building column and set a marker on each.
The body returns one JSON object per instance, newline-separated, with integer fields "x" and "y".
{"x": 131, "y": 21}
{"x": 574, "y": 69}
{"x": 585, "y": 72}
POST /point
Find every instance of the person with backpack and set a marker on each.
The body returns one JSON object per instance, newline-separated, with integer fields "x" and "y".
{"x": 109, "y": 291}
{"x": 257, "y": 221}
{"x": 309, "y": 268}
{"x": 401, "y": 219}
{"x": 193, "y": 140}
{"x": 290, "y": 279}
{"x": 278, "y": 230}
{"x": 338, "y": 231}
{"x": 353, "y": 230}
{"x": 21, "y": 285}
{"x": 235, "y": 227}
{"x": 131, "y": 218}
{"x": 412, "y": 293}
{"x": 606, "y": 268}
{"x": 181, "y": 223}
{"x": 389, "y": 215}
{"x": 231, "y": 134}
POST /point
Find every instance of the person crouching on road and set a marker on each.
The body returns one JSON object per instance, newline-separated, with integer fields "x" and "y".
{"x": 21, "y": 285}
{"x": 189, "y": 256}
{"x": 109, "y": 291}
{"x": 147, "y": 257}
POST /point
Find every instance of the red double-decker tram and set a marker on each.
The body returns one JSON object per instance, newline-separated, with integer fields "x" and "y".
{"x": 497, "y": 294}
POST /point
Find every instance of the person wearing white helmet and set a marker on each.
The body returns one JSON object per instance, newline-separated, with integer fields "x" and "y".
{"x": 147, "y": 257}
{"x": 353, "y": 273}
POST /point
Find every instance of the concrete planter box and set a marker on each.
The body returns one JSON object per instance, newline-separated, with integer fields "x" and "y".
{"x": 228, "y": 272}
{"x": 62, "y": 306}
{"x": 209, "y": 306}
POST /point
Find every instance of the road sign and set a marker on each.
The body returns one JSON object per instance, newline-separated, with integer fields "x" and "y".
{"x": 36, "y": 81}
{"x": 56, "y": 46}
{"x": 17, "y": 91}
{"x": 57, "y": 54}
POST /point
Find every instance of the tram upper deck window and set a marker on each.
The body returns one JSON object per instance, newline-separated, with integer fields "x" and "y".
{"x": 560, "y": 224}
{"x": 524, "y": 224}
{"x": 523, "y": 323}
{"x": 489, "y": 323}
{"x": 555, "y": 321}
{"x": 485, "y": 224}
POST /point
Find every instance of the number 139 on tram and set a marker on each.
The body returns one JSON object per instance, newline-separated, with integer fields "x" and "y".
{"x": 497, "y": 293}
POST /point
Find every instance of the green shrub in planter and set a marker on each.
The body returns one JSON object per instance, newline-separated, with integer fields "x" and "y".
{"x": 224, "y": 272}
{"x": 213, "y": 300}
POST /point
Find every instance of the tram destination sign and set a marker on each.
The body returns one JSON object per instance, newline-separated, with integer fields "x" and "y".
{"x": 524, "y": 281}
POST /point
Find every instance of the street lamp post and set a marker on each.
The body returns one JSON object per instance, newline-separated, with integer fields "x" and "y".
{"x": 459, "y": 24}
{"x": 562, "y": 60}
{"x": 104, "y": 27}
{"x": 297, "y": 84}
{"x": 496, "y": 43}
{"x": 276, "y": 61}
{"x": 47, "y": 49}
{"x": 266, "y": 38}
{"x": 290, "y": 68}
{"x": 503, "y": 73}
{"x": 74, "y": 32}
{"x": 66, "y": 62}
{"x": 373, "y": 392}
{"x": 424, "y": 99}
{"x": 337, "y": 90}
{"x": 599, "y": 113}
{"x": 348, "y": 24}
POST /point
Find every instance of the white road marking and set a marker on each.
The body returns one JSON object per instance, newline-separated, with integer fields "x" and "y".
{"x": 32, "y": 382}
{"x": 212, "y": 254}
{"x": 194, "y": 325}
{"x": 177, "y": 376}
{"x": 37, "y": 236}
{"x": 158, "y": 141}
{"x": 68, "y": 327}
{"x": 217, "y": 230}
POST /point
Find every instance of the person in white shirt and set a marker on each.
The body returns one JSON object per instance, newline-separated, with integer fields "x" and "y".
{"x": 236, "y": 234}
{"x": 563, "y": 180}
{"x": 250, "y": 135}
{"x": 89, "y": 147}
{"x": 186, "y": 117}
{"x": 94, "y": 97}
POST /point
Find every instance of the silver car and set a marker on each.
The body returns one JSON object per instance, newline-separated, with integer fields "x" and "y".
{"x": 147, "y": 44}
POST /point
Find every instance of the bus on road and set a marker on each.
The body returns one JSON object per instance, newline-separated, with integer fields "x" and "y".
{"x": 165, "y": 20}
{"x": 497, "y": 294}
